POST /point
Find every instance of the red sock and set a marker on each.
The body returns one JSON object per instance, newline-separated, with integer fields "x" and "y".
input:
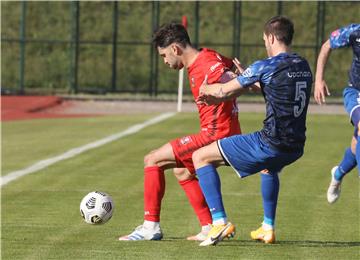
{"x": 197, "y": 200}
{"x": 154, "y": 189}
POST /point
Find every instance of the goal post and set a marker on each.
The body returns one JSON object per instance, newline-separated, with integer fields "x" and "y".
{"x": 181, "y": 76}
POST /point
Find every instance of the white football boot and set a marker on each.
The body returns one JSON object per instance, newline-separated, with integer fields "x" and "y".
{"x": 143, "y": 233}
{"x": 334, "y": 189}
{"x": 202, "y": 235}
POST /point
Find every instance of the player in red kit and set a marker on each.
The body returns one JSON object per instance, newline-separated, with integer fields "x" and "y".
{"x": 217, "y": 121}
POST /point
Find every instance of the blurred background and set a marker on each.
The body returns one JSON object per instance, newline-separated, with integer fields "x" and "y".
{"x": 105, "y": 47}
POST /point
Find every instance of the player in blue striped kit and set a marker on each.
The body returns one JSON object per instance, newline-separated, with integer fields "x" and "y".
{"x": 348, "y": 36}
{"x": 285, "y": 79}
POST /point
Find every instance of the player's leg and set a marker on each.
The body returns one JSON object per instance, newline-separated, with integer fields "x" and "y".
{"x": 154, "y": 188}
{"x": 352, "y": 106}
{"x": 348, "y": 162}
{"x": 357, "y": 141}
{"x": 351, "y": 154}
{"x": 154, "y": 180}
{"x": 269, "y": 191}
{"x": 273, "y": 162}
{"x": 339, "y": 172}
{"x": 183, "y": 149}
{"x": 205, "y": 160}
{"x": 239, "y": 151}
{"x": 190, "y": 184}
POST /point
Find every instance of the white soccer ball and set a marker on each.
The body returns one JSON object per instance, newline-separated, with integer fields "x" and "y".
{"x": 96, "y": 207}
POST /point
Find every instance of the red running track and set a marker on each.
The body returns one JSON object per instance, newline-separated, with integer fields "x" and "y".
{"x": 31, "y": 107}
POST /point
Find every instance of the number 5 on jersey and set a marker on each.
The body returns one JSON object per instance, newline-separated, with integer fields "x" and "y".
{"x": 300, "y": 95}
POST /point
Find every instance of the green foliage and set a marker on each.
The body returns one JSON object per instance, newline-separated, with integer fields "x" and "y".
{"x": 40, "y": 212}
{"x": 49, "y": 28}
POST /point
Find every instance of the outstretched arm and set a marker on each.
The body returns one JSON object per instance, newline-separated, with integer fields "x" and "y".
{"x": 239, "y": 70}
{"x": 217, "y": 93}
{"x": 321, "y": 88}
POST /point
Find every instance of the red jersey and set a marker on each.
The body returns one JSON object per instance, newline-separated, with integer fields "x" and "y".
{"x": 220, "y": 120}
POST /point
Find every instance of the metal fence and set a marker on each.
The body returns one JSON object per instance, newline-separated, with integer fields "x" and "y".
{"x": 101, "y": 47}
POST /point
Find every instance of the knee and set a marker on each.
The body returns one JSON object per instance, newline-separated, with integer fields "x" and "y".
{"x": 358, "y": 128}
{"x": 182, "y": 174}
{"x": 150, "y": 159}
{"x": 199, "y": 158}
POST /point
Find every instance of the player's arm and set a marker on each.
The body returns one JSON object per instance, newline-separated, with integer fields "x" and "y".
{"x": 239, "y": 70}
{"x": 219, "y": 92}
{"x": 321, "y": 88}
{"x": 227, "y": 76}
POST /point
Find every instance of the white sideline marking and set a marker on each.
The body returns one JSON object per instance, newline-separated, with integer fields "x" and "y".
{"x": 75, "y": 151}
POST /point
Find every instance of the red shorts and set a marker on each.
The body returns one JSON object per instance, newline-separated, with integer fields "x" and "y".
{"x": 184, "y": 147}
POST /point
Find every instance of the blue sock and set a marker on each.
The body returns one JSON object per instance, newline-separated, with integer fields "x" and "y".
{"x": 347, "y": 164}
{"x": 211, "y": 187}
{"x": 270, "y": 191}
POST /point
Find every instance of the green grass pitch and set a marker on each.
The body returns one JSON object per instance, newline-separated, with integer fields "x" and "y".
{"x": 40, "y": 212}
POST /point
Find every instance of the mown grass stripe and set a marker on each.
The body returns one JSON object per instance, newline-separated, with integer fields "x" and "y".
{"x": 78, "y": 150}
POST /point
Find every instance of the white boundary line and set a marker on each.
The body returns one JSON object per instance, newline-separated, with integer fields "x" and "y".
{"x": 75, "y": 151}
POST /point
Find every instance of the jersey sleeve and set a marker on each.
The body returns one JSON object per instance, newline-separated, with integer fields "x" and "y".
{"x": 253, "y": 73}
{"x": 340, "y": 37}
{"x": 217, "y": 68}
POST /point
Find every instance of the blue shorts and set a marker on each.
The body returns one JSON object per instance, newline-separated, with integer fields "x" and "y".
{"x": 352, "y": 105}
{"x": 249, "y": 154}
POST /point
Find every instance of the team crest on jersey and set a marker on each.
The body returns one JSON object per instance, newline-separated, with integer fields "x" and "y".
{"x": 335, "y": 33}
{"x": 185, "y": 140}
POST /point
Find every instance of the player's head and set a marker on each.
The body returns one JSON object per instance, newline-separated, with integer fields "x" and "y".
{"x": 279, "y": 30}
{"x": 170, "y": 40}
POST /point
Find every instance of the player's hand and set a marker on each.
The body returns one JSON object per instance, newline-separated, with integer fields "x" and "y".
{"x": 321, "y": 91}
{"x": 205, "y": 96}
{"x": 201, "y": 99}
{"x": 207, "y": 100}
{"x": 203, "y": 87}
{"x": 239, "y": 68}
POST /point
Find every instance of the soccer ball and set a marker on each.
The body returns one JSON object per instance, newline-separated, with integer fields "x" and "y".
{"x": 96, "y": 207}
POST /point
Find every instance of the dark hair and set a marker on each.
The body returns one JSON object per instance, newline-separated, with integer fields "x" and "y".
{"x": 281, "y": 27}
{"x": 171, "y": 33}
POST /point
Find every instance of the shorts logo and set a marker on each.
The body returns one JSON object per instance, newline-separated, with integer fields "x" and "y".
{"x": 185, "y": 140}
{"x": 357, "y": 40}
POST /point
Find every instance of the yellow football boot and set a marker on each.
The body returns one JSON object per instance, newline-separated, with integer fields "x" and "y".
{"x": 266, "y": 236}
{"x": 218, "y": 233}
